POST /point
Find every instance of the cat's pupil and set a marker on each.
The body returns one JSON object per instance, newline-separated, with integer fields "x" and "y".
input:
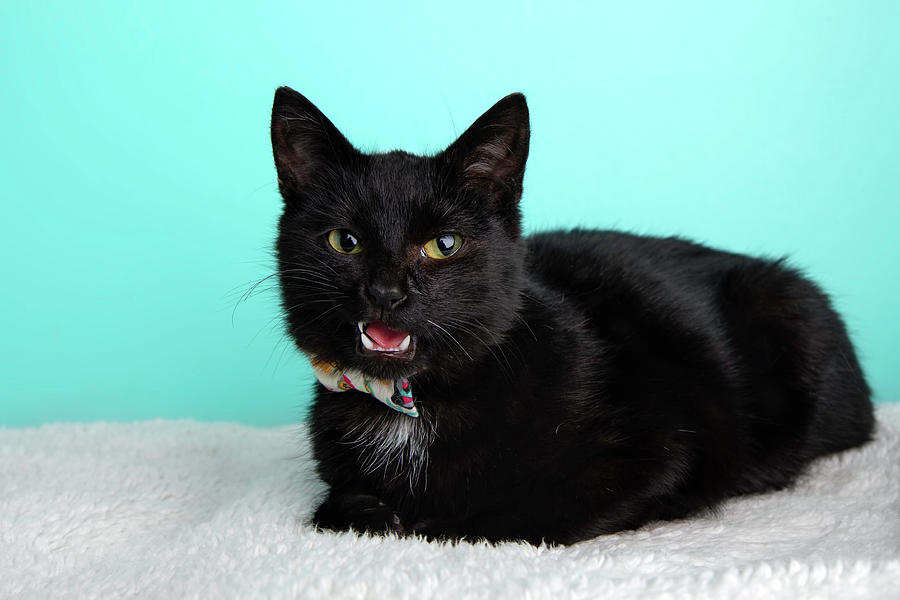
{"x": 445, "y": 244}
{"x": 348, "y": 241}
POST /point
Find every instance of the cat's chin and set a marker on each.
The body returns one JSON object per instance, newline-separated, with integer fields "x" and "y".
{"x": 388, "y": 365}
{"x": 387, "y": 368}
{"x": 387, "y": 357}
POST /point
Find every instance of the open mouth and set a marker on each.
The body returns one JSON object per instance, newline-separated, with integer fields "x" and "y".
{"x": 378, "y": 338}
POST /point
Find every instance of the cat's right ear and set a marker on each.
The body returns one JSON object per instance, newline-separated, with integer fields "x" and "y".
{"x": 304, "y": 141}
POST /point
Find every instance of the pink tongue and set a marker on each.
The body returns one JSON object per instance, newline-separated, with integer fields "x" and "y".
{"x": 384, "y": 336}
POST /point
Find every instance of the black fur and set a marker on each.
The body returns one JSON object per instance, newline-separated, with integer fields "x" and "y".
{"x": 570, "y": 384}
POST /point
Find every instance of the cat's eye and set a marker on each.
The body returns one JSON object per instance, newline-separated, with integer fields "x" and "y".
{"x": 344, "y": 242}
{"x": 443, "y": 246}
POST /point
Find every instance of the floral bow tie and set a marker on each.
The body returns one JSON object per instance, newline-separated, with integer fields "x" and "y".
{"x": 396, "y": 394}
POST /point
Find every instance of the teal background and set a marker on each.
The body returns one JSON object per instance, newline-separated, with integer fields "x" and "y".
{"x": 139, "y": 197}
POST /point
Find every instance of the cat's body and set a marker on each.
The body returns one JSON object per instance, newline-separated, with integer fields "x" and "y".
{"x": 569, "y": 384}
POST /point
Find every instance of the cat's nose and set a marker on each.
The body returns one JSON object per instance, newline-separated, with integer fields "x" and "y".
{"x": 385, "y": 297}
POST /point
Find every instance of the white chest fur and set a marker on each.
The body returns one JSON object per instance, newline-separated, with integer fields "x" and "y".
{"x": 393, "y": 444}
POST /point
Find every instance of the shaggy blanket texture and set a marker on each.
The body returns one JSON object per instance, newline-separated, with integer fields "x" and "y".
{"x": 173, "y": 509}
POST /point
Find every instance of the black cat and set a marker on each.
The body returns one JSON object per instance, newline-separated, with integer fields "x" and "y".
{"x": 564, "y": 385}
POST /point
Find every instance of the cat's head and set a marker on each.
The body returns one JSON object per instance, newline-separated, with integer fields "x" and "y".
{"x": 394, "y": 263}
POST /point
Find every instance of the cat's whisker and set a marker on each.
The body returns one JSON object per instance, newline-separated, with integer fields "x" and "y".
{"x": 525, "y": 323}
{"x": 322, "y": 314}
{"x": 500, "y": 347}
{"x": 246, "y": 295}
{"x": 283, "y": 352}
{"x": 264, "y": 327}
{"x": 310, "y": 276}
{"x": 450, "y": 335}
{"x": 303, "y": 269}
{"x": 254, "y": 288}
{"x": 317, "y": 299}
{"x": 463, "y": 325}
{"x": 283, "y": 340}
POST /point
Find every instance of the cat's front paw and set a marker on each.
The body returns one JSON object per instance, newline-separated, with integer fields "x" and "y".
{"x": 360, "y": 512}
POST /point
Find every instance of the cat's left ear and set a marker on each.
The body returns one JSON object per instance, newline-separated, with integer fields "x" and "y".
{"x": 491, "y": 154}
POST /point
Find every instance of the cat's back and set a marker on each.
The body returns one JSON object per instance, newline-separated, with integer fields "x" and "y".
{"x": 702, "y": 328}
{"x": 625, "y": 284}
{"x": 581, "y": 260}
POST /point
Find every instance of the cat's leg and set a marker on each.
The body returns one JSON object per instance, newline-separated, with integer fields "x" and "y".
{"x": 359, "y": 511}
{"x": 811, "y": 397}
{"x": 493, "y": 526}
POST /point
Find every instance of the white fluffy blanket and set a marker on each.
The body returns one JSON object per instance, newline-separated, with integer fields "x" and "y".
{"x": 172, "y": 509}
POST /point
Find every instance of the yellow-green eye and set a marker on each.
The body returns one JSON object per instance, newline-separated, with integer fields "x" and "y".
{"x": 344, "y": 242}
{"x": 443, "y": 246}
